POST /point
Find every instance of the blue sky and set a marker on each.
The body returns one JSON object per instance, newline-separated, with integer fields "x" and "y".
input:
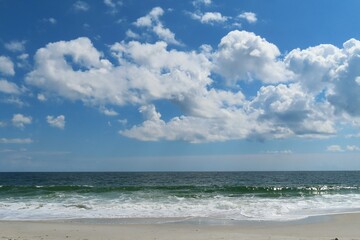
{"x": 210, "y": 85}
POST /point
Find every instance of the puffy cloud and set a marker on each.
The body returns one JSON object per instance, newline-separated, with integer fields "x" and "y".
{"x": 334, "y": 148}
{"x": 345, "y": 93}
{"x": 145, "y": 72}
{"x": 324, "y": 81}
{"x": 209, "y": 17}
{"x": 81, "y": 6}
{"x": 58, "y": 122}
{"x": 16, "y": 140}
{"x": 9, "y": 87}
{"x": 314, "y": 67}
{"x": 250, "y": 17}
{"x": 291, "y": 109}
{"x": 330, "y": 73}
{"x": 15, "y": 46}
{"x": 152, "y": 22}
{"x": 185, "y": 128}
{"x": 6, "y": 66}
{"x": 20, "y": 120}
{"x": 243, "y": 55}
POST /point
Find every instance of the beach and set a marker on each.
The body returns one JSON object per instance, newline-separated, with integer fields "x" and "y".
{"x": 342, "y": 226}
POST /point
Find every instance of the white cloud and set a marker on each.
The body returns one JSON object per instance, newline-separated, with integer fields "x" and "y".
{"x": 330, "y": 73}
{"x": 16, "y": 140}
{"x": 50, "y": 20}
{"x": 334, "y": 148}
{"x": 123, "y": 121}
{"x": 289, "y": 108}
{"x": 20, "y": 120}
{"x": 144, "y": 73}
{"x": 248, "y": 16}
{"x": 23, "y": 61}
{"x": 81, "y": 6}
{"x": 280, "y": 152}
{"x": 9, "y": 87}
{"x": 202, "y": 2}
{"x": 2, "y": 124}
{"x": 108, "y": 112}
{"x": 6, "y": 66}
{"x": 352, "y": 148}
{"x": 15, "y": 46}
{"x": 41, "y": 97}
{"x": 209, "y": 17}
{"x": 58, "y": 122}
{"x": 131, "y": 34}
{"x": 152, "y": 22}
{"x": 243, "y": 55}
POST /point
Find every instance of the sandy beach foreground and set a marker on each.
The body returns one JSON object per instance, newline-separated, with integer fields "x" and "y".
{"x": 344, "y": 226}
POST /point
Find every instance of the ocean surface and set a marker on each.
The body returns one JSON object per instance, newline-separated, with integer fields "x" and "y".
{"x": 274, "y": 196}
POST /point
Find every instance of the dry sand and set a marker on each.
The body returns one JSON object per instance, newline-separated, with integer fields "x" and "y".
{"x": 343, "y": 227}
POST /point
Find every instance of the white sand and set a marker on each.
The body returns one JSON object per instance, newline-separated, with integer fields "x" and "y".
{"x": 343, "y": 227}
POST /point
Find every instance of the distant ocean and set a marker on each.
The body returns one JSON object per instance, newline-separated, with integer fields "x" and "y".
{"x": 278, "y": 196}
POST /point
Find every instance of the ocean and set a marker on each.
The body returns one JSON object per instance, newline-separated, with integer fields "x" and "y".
{"x": 269, "y": 196}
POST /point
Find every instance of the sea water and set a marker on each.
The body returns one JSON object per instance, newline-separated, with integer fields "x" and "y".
{"x": 274, "y": 196}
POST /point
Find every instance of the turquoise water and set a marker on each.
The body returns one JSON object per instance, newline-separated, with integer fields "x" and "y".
{"x": 276, "y": 196}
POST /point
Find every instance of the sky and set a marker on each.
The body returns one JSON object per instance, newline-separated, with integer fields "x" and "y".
{"x": 167, "y": 85}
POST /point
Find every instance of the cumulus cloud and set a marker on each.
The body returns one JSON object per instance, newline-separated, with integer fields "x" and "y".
{"x": 209, "y": 17}
{"x": 291, "y": 109}
{"x": 81, "y": 6}
{"x": 152, "y": 22}
{"x": 145, "y": 72}
{"x": 243, "y": 55}
{"x": 6, "y": 66}
{"x": 20, "y": 120}
{"x": 15, "y": 46}
{"x": 58, "y": 122}
{"x": 303, "y": 94}
{"x": 250, "y": 17}
{"x": 9, "y": 87}
{"x": 16, "y": 140}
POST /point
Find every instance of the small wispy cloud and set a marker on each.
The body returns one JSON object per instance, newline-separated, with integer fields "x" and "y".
{"x": 81, "y": 6}
{"x": 338, "y": 148}
{"x": 250, "y": 17}
{"x": 16, "y": 140}
{"x": 58, "y": 122}
{"x": 50, "y": 20}
{"x": 15, "y": 46}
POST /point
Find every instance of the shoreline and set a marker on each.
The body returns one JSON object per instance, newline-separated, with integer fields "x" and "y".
{"x": 341, "y": 226}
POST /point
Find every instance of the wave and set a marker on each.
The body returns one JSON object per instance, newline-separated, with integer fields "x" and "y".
{"x": 184, "y": 190}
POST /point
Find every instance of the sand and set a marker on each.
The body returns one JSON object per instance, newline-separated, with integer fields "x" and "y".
{"x": 343, "y": 227}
